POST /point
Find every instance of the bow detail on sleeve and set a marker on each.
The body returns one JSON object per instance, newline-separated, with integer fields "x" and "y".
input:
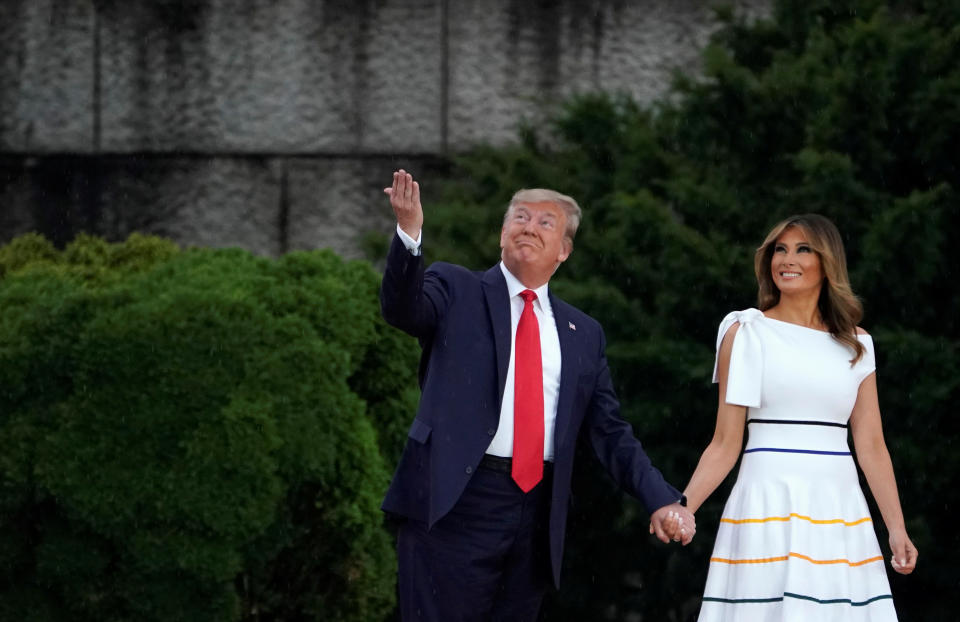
{"x": 745, "y": 376}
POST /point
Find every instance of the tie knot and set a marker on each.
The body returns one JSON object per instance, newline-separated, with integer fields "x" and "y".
{"x": 528, "y": 295}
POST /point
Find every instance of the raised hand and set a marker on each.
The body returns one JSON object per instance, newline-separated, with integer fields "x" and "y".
{"x": 405, "y": 200}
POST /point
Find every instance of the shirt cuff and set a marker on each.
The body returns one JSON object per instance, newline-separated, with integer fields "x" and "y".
{"x": 412, "y": 245}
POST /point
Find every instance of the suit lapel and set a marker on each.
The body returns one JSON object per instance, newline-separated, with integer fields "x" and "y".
{"x": 498, "y": 309}
{"x": 567, "y": 333}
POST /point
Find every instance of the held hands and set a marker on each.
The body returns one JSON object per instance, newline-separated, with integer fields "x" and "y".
{"x": 405, "y": 200}
{"x": 673, "y": 522}
{"x": 904, "y": 558}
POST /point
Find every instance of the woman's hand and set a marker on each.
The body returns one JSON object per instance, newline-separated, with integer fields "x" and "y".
{"x": 904, "y": 558}
{"x": 668, "y": 524}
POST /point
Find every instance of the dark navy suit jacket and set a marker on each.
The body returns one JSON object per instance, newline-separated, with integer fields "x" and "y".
{"x": 462, "y": 319}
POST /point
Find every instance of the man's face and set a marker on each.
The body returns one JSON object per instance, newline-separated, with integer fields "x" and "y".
{"x": 532, "y": 239}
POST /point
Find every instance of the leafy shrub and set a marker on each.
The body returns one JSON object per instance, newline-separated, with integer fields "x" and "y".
{"x": 187, "y": 436}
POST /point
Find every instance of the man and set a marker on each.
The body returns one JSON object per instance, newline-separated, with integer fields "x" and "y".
{"x": 510, "y": 375}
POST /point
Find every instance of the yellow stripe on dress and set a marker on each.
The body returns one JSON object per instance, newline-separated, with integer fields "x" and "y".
{"x": 783, "y": 558}
{"x": 815, "y": 521}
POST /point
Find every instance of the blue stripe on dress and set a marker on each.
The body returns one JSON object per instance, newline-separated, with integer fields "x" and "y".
{"x": 799, "y": 451}
{"x": 798, "y": 422}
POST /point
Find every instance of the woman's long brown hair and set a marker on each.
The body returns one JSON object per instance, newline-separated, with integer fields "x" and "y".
{"x": 839, "y": 307}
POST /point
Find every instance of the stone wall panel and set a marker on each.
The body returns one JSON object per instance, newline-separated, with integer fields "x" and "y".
{"x": 195, "y": 201}
{"x": 336, "y": 203}
{"x": 515, "y": 60}
{"x": 293, "y": 76}
{"x": 16, "y": 216}
{"x": 47, "y": 76}
{"x": 400, "y": 84}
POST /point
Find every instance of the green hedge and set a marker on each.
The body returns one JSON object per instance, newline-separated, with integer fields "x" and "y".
{"x": 195, "y": 435}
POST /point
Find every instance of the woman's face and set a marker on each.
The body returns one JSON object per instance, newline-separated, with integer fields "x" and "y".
{"x": 795, "y": 266}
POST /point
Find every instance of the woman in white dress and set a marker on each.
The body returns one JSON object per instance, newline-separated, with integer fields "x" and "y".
{"x": 796, "y": 540}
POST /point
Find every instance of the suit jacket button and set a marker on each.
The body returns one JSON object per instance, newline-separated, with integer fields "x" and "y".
{"x": 491, "y": 432}
{"x": 469, "y": 470}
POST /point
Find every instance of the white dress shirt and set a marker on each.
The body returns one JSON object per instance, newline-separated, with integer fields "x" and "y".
{"x": 502, "y": 444}
{"x": 412, "y": 245}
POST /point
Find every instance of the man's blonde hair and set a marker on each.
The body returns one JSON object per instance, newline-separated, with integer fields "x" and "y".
{"x": 540, "y": 195}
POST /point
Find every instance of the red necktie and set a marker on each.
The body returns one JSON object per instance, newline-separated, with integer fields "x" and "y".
{"x": 527, "y": 399}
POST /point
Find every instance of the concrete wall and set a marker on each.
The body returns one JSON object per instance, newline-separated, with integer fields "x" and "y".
{"x": 273, "y": 124}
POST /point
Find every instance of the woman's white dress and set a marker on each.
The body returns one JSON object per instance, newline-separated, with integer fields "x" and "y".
{"x": 796, "y": 540}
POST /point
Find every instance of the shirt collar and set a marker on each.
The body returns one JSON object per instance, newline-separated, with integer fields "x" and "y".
{"x": 514, "y": 287}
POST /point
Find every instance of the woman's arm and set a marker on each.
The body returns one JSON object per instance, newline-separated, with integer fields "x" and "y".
{"x": 874, "y": 459}
{"x": 722, "y": 452}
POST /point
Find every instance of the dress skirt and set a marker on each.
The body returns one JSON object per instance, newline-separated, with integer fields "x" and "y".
{"x": 796, "y": 540}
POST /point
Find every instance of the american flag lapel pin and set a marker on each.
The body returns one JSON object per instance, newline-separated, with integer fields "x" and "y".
{"x": 572, "y": 325}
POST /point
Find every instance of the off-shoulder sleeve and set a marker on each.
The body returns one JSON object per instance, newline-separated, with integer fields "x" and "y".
{"x": 745, "y": 376}
{"x": 868, "y": 362}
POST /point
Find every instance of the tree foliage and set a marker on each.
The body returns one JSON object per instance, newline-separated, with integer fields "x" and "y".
{"x": 849, "y": 109}
{"x": 194, "y": 435}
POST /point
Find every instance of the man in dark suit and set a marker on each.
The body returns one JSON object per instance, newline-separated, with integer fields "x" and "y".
{"x": 510, "y": 377}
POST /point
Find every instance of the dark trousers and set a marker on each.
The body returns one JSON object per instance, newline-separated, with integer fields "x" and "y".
{"x": 487, "y": 560}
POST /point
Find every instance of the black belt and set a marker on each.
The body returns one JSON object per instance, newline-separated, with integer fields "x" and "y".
{"x": 504, "y": 465}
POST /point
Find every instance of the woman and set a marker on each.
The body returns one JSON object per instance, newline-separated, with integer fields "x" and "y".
{"x": 796, "y": 541}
